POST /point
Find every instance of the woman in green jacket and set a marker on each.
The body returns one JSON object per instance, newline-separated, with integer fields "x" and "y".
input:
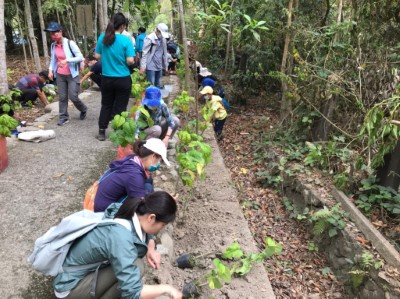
{"x": 121, "y": 245}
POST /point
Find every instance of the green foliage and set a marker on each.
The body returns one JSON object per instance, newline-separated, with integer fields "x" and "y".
{"x": 381, "y": 134}
{"x": 7, "y": 123}
{"x": 311, "y": 246}
{"x": 328, "y": 219}
{"x": 327, "y": 155}
{"x": 144, "y": 120}
{"x": 182, "y": 102}
{"x": 124, "y": 128}
{"x": 372, "y": 197}
{"x": 50, "y": 91}
{"x": 242, "y": 263}
{"x": 139, "y": 85}
{"x": 361, "y": 270}
{"x": 7, "y": 103}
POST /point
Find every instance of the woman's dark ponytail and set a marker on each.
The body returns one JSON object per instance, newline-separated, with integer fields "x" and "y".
{"x": 160, "y": 203}
{"x": 115, "y": 23}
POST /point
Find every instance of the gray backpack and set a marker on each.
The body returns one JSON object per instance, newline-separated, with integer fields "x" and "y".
{"x": 51, "y": 249}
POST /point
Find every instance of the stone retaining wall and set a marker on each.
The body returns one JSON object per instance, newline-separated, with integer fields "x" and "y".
{"x": 343, "y": 251}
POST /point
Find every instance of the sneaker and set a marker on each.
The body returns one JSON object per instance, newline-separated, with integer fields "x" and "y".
{"x": 63, "y": 121}
{"x": 102, "y": 135}
{"x": 83, "y": 115}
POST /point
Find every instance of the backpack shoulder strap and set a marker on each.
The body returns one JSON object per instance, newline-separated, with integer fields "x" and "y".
{"x": 69, "y": 45}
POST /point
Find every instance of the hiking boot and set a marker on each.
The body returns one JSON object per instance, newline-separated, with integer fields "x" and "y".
{"x": 63, "y": 121}
{"x": 83, "y": 115}
{"x": 102, "y": 135}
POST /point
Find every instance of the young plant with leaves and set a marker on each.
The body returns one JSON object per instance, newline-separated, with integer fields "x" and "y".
{"x": 182, "y": 102}
{"x": 7, "y": 102}
{"x": 139, "y": 85}
{"x": 234, "y": 262}
{"x": 329, "y": 219}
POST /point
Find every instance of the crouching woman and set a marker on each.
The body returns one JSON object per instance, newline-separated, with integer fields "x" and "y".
{"x": 122, "y": 244}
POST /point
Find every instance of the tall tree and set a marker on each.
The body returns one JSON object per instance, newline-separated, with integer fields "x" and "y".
{"x": 3, "y": 63}
{"x": 185, "y": 47}
{"x": 286, "y": 105}
{"x": 32, "y": 37}
{"x": 44, "y": 37}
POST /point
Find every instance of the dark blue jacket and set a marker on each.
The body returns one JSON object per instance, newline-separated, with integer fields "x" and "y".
{"x": 127, "y": 178}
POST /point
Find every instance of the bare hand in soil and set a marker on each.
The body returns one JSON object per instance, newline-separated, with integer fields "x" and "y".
{"x": 154, "y": 259}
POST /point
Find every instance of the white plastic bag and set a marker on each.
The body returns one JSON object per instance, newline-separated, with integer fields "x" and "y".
{"x": 37, "y": 136}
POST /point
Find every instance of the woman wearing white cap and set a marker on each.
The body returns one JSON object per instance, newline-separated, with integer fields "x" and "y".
{"x": 154, "y": 55}
{"x": 131, "y": 176}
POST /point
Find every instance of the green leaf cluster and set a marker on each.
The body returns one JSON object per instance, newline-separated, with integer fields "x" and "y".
{"x": 242, "y": 263}
{"x": 329, "y": 219}
{"x": 372, "y": 197}
{"x": 182, "y": 102}
{"x": 7, "y": 123}
{"x": 124, "y": 128}
{"x": 139, "y": 84}
{"x": 193, "y": 156}
{"x": 7, "y": 103}
{"x": 378, "y": 129}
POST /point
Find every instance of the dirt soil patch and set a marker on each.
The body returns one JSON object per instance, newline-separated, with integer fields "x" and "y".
{"x": 299, "y": 272}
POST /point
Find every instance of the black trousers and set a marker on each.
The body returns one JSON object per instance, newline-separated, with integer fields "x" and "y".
{"x": 115, "y": 93}
{"x": 96, "y": 78}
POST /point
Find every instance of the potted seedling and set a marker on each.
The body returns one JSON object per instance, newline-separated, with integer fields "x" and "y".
{"x": 190, "y": 260}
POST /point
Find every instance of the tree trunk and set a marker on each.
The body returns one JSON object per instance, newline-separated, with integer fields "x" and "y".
{"x": 229, "y": 38}
{"x": 32, "y": 37}
{"x": 95, "y": 19}
{"x": 3, "y": 63}
{"x": 100, "y": 15}
{"x": 22, "y": 36}
{"x": 72, "y": 34}
{"x": 8, "y": 31}
{"x": 185, "y": 47}
{"x": 105, "y": 14}
{"x": 44, "y": 38}
{"x": 286, "y": 104}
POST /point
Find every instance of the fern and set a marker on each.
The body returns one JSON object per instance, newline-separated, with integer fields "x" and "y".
{"x": 367, "y": 260}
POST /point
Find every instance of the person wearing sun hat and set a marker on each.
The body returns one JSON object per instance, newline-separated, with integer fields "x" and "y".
{"x": 131, "y": 176}
{"x": 216, "y": 104}
{"x": 165, "y": 123}
{"x": 64, "y": 67}
{"x": 154, "y": 55}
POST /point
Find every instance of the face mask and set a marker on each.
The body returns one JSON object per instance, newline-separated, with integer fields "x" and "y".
{"x": 206, "y": 98}
{"x": 153, "y": 168}
{"x": 159, "y": 36}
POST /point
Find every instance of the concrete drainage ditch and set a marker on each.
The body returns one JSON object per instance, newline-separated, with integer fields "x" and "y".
{"x": 344, "y": 252}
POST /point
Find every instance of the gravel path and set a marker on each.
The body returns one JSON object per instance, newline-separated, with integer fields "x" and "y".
{"x": 43, "y": 183}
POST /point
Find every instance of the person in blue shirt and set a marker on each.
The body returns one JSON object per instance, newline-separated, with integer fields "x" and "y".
{"x": 117, "y": 54}
{"x": 140, "y": 41}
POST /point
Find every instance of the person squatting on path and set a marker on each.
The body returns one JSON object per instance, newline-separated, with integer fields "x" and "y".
{"x": 215, "y": 103}
{"x": 116, "y": 53}
{"x": 95, "y": 70}
{"x": 31, "y": 87}
{"x": 165, "y": 123}
{"x": 64, "y": 67}
{"x": 154, "y": 55}
{"x": 131, "y": 176}
{"x": 123, "y": 245}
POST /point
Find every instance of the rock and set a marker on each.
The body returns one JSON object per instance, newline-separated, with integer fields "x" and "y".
{"x": 52, "y": 107}
{"x": 40, "y": 124}
{"x": 313, "y": 296}
{"x": 163, "y": 177}
{"x": 168, "y": 243}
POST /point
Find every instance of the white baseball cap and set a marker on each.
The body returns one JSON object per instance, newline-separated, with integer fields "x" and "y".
{"x": 163, "y": 29}
{"x": 158, "y": 147}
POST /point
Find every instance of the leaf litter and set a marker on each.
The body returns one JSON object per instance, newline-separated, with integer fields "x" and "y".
{"x": 299, "y": 272}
